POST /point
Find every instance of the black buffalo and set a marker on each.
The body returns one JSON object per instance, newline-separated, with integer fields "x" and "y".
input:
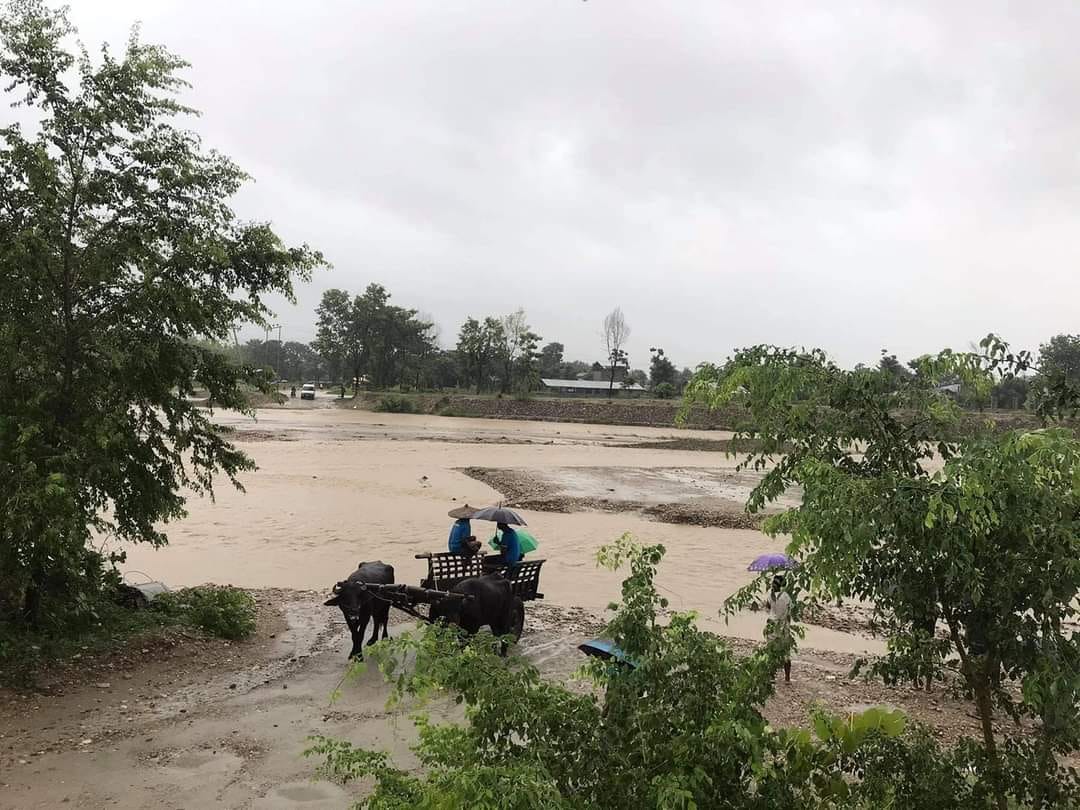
{"x": 488, "y": 600}
{"x": 359, "y": 605}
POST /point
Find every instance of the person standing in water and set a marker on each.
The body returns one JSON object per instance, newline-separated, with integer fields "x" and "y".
{"x": 778, "y": 625}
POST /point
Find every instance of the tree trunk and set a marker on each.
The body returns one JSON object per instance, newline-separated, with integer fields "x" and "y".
{"x": 611, "y": 382}
{"x": 986, "y": 717}
{"x": 1047, "y": 765}
{"x": 33, "y": 595}
{"x": 978, "y": 678}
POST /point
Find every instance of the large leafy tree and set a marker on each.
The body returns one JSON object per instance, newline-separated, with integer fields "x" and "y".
{"x": 336, "y": 337}
{"x": 121, "y": 263}
{"x": 661, "y": 369}
{"x": 517, "y": 352}
{"x": 933, "y": 520}
{"x": 1057, "y": 384}
{"x": 478, "y": 348}
{"x": 373, "y": 337}
{"x": 893, "y": 368}
{"x": 1061, "y": 355}
{"x": 551, "y": 359}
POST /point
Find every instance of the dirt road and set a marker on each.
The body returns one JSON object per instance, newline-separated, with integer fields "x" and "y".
{"x": 215, "y": 725}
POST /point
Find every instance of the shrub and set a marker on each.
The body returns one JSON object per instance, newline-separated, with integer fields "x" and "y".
{"x": 698, "y": 740}
{"x": 226, "y": 611}
{"x": 95, "y": 621}
{"x": 682, "y": 728}
{"x": 664, "y": 390}
{"x": 391, "y": 403}
{"x": 26, "y": 653}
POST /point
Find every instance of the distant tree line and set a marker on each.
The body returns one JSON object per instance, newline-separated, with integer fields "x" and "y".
{"x": 1058, "y": 358}
{"x": 367, "y": 340}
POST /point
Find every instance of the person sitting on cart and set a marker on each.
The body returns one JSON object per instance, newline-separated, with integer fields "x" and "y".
{"x": 461, "y": 539}
{"x": 509, "y": 545}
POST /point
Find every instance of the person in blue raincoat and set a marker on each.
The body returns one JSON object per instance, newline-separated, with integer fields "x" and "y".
{"x": 461, "y": 540}
{"x": 509, "y": 545}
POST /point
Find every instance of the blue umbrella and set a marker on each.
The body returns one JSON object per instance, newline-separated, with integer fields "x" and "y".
{"x": 606, "y": 649}
{"x": 773, "y": 561}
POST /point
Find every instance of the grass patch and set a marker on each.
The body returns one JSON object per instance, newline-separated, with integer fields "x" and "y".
{"x": 225, "y": 612}
{"x": 392, "y": 403}
{"x": 25, "y": 654}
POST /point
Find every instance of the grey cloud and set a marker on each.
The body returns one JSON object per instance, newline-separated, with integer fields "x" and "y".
{"x": 853, "y": 176}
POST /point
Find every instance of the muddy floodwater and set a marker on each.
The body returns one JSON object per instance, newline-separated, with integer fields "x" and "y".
{"x": 337, "y": 486}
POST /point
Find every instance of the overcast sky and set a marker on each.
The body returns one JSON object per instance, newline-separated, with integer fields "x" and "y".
{"x": 854, "y": 177}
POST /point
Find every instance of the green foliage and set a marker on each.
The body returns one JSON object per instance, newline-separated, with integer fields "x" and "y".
{"x": 551, "y": 361}
{"x": 367, "y": 336}
{"x": 478, "y": 349}
{"x": 1060, "y": 356}
{"x": 26, "y": 653}
{"x": 664, "y": 390}
{"x": 661, "y": 370}
{"x": 290, "y": 360}
{"x": 391, "y": 403}
{"x": 501, "y": 354}
{"x": 680, "y": 729}
{"x": 1011, "y": 394}
{"x": 226, "y": 612}
{"x": 119, "y": 259}
{"x": 1057, "y": 384}
{"x": 978, "y": 531}
{"x": 103, "y": 624}
{"x": 518, "y": 355}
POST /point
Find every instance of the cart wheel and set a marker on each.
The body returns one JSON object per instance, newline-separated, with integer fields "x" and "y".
{"x": 517, "y": 618}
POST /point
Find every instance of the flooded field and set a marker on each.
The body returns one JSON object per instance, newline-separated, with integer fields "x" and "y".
{"x": 335, "y": 487}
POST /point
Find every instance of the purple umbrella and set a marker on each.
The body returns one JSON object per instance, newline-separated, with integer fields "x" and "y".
{"x": 773, "y": 561}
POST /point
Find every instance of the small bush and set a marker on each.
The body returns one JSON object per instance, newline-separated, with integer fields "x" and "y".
{"x": 26, "y": 654}
{"x": 226, "y": 611}
{"x": 664, "y": 390}
{"x": 392, "y": 403}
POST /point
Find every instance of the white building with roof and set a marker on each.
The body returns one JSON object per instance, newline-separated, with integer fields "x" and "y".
{"x": 590, "y": 388}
